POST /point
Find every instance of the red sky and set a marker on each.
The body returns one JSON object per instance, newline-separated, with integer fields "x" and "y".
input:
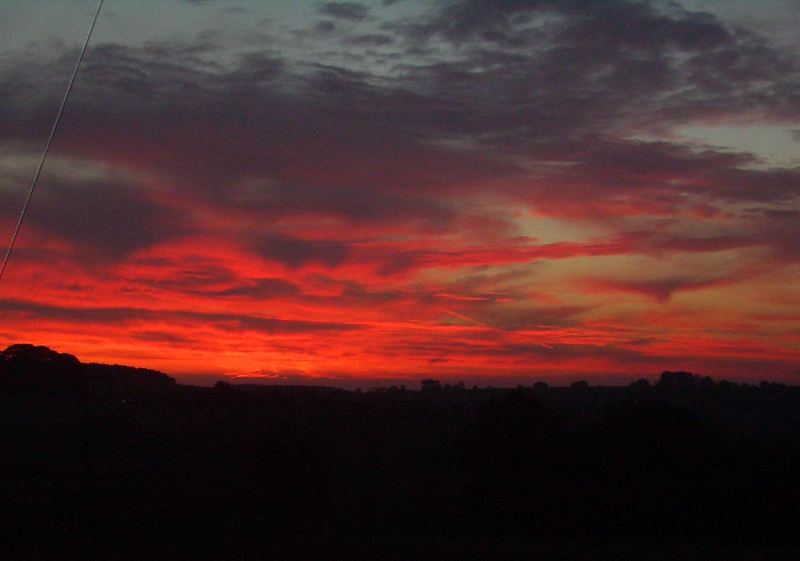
{"x": 463, "y": 190}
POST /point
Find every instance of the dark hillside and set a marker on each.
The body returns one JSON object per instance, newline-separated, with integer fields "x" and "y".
{"x": 30, "y": 369}
{"x": 127, "y": 459}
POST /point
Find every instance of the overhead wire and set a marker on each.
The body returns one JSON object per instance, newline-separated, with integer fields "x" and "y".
{"x": 60, "y": 114}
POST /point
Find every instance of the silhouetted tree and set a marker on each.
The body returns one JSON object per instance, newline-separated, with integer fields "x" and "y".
{"x": 430, "y": 385}
{"x": 30, "y": 368}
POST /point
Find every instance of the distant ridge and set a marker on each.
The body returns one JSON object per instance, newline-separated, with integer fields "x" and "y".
{"x": 27, "y": 368}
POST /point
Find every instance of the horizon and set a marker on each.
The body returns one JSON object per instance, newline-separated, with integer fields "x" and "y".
{"x": 556, "y": 380}
{"x": 400, "y": 190}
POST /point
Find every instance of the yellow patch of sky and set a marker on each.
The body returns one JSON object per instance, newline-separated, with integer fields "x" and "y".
{"x": 641, "y": 268}
{"x": 774, "y": 145}
{"x": 17, "y": 167}
{"x": 548, "y": 230}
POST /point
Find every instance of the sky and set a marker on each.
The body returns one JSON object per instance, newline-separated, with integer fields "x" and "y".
{"x": 348, "y": 192}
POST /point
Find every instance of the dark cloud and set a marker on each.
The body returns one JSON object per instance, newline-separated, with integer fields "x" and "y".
{"x": 519, "y": 353}
{"x": 198, "y": 276}
{"x": 617, "y": 23}
{"x": 103, "y": 219}
{"x": 415, "y": 159}
{"x": 352, "y": 11}
{"x": 126, "y": 316}
{"x": 364, "y": 204}
{"x": 161, "y": 337}
{"x": 213, "y": 279}
{"x": 535, "y": 101}
{"x": 756, "y": 228}
{"x": 654, "y": 242}
{"x": 363, "y": 118}
{"x": 513, "y": 319}
{"x": 621, "y": 177}
{"x": 260, "y": 289}
{"x": 780, "y": 229}
{"x": 325, "y": 27}
{"x": 662, "y": 289}
{"x": 295, "y": 252}
{"x": 370, "y": 40}
{"x": 225, "y": 127}
{"x": 585, "y": 64}
{"x": 568, "y": 351}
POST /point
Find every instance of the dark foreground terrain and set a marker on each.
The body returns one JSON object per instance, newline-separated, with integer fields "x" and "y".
{"x": 121, "y": 463}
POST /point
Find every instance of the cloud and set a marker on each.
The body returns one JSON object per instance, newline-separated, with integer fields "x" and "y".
{"x": 370, "y": 40}
{"x": 370, "y": 205}
{"x": 325, "y": 27}
{"x": 444, "y": 173}
{"x": 103, "y": 218}
{"x": 295, "y": 252}
{"x": 660, "y": 290}
{"x": 161, "y": 337}
{"x": 259, "y": 289}
{"x": 215, "y": 280}
{"x": 352, "y": 11}
{"x": 780, "y": 230}
{"x": 570, "y": 67}
{"x": 125, "y": 316}
{"x": 521, "y": 120}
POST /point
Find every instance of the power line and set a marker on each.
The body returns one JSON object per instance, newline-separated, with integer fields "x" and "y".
{"x": 49, "y": 141}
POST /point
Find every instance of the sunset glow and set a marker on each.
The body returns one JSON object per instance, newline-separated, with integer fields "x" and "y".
{"x": 401, "y": 190}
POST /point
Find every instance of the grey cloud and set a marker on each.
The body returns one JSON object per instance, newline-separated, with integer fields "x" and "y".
{"x": 781, "y": 230}
{"x": 209, "y": 277}
{"x": 359, "y": 204}
{"x": 161, "y": 337}
{"x": 295, "y": 252}
{"x": 650, "y": 241}
{"x": 658, "y": 175}
{"x": 104, "y": 219}
{"x": 370, "y": 40}
{"x": 663, "y": 289}
{"x": 566, "y": 351}
{"x": 513, "y": 319}
{"x": 325, "y": 27}
{"x": 264, "y": 288}
{"x": 560, "y": 94}
{"x": 615, "y": 22}
{"x": 624, "y": 57}
{"x": 352, "y": 11}
{"x": 124, "y": 316}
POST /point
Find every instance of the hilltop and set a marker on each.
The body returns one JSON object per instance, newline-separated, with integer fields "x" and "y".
{"x": 26, "y": 368}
